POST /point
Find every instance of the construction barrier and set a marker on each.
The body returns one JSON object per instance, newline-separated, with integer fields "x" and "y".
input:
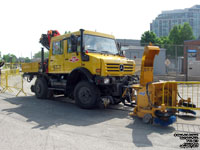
{"x": 11, "y": 66}
{"x": 181, "y": 95}
{"x": 12, "y": 81}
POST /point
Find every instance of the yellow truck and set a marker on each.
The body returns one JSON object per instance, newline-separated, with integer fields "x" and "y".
{"x": 90, "y": 67}
{"x": 87, "y": 66}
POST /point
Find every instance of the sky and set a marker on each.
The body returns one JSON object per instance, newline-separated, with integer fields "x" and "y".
{"x": 23, "y": 21}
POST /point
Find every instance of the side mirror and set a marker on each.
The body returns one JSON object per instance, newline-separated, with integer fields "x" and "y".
{"x": 74, "y": 41}
{"x": 123, "y": 53}
{"x": 119, "y": 46}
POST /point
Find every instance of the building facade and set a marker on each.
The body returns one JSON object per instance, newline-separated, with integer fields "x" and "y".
{"x": 163, "y": 24}
{"x": 134, "y": 51}
{"x": 191, "y": 54}
{"x": 192, "y": 46}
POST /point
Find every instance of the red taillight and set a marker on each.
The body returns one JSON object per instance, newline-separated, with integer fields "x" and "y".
{"x": 86, "y": 52}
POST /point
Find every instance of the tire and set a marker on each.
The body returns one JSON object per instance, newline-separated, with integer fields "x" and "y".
{"x": 86, "y": 95}
{"x": 147, "y": 118}
{"x": 41, "y": 88}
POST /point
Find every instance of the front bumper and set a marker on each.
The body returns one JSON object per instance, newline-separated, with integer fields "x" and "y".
{"x": 114, "y": 87}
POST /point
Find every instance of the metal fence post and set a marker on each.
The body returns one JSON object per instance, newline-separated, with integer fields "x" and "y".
{"x": 186, "y": 71}
{"x": 176, "y": 60}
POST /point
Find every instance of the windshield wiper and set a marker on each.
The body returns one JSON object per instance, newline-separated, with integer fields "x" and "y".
{"x": 93, "y": 50}
{"x": 107, "y": 52}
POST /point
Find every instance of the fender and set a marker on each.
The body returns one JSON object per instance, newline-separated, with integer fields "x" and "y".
{"x": 78, "y": 73}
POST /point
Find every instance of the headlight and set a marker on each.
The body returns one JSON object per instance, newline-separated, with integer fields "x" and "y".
{"x": 106, "y": 81}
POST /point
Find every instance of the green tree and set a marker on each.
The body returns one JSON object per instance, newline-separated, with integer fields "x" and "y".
{"x": 147, "y": 37}
{"x": 13, "y": 58}
{"x": 163, "y": 41}
{"x": 6, "y": 58}
{"x": 174, "y": 35}
{"x": 10, "y": 58}
{"x": 38, "y": 54}
{"x": 186, "y": 33}
{"x": 24, "y": 59}
{"x": 177, "y": 36}
{"x": 27, "y": 60}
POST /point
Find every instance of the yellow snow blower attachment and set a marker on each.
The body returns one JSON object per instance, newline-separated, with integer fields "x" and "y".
{"x": 158, "y": 102}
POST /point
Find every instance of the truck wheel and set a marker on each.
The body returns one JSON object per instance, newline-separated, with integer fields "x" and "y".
{"x": 41, "y": 88}
{"x": 86, "y": 95}
{"x": 147, "y": 118}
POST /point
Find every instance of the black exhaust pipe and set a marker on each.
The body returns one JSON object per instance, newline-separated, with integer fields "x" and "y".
{"x": 42, "y": 60}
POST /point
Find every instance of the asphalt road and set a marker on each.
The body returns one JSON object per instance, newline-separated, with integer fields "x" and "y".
{"x": 27, "y": 123}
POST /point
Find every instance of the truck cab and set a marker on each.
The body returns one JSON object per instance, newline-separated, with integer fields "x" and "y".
{"x": 85, "y": 65}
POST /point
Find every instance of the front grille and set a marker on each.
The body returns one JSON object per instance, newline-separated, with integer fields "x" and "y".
{"x": 112, "y": 67}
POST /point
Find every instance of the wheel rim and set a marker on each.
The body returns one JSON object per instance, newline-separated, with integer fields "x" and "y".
{"x": 85, "y": 95}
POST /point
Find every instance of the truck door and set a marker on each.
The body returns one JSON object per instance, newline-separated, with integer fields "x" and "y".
{"x": 72, "y": 59}
{"x": 56, "y": 59}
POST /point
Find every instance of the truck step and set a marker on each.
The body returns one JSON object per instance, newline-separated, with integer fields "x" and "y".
{"x": 58, "y": 89}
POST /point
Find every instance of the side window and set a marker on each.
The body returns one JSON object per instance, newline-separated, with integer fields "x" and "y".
{"x": 79, "y": 44}
{"x": 58, "y": 47}
{"x": 69, "y": 45}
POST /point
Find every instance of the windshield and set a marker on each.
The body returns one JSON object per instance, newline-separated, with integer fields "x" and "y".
{"x": 100, "y": 44}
